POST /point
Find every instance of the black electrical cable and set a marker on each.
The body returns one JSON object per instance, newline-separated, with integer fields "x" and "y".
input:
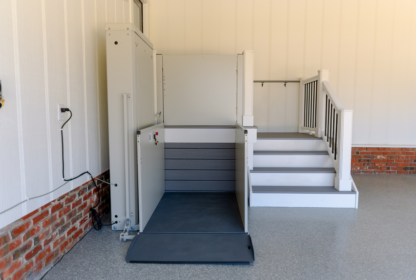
{"x": 94, "y": 216}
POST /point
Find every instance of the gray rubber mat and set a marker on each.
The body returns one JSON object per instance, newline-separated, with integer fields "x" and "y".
{"x": 186, "y": 212}
{"x": 191, "y": 248}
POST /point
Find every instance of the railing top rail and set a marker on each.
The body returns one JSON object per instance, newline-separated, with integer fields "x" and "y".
{"x": 311, "y": 79}
{"x": 331, "y": 93}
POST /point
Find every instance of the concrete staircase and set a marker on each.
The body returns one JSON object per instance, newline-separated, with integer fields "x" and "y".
{"x": 294, "y": 170}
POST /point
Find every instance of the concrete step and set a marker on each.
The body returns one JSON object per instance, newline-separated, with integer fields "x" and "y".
{"x": 292, "y": 159}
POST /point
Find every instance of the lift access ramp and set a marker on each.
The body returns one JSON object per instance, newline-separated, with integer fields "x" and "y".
{"x": 186, "y": 216}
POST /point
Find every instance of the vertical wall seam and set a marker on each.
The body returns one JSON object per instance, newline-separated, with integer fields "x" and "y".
{"x": 219, "y": 28}
{"x": 167, "y": 24}
{"x": 106, "y": 11}
{"x": 270, "y": 64}
{"x": 373, "y": 72}
{"x": 304, "y": 38}
{"x": 287, "y": 39}
{"x": 287, "y": 51}
{"x": 131, "y": 11}
{"x": 84, "y": 74}
{"x": 99, "y": 166}
{"x": 252, "y": 25}
{"x": 184, "y": 27}
{"x": 356, "y": 60}
{"x": 412, "y": 41}
{"x": 322, "y": 34}
{"x": 115, "y": 10}
{"x": 23, "y": 189}
{"x": 124, "y": 7}
{"x": 235, "y": 26}
{"x": 338, "y": 92}
{"x": 270, "y": 40}
{"x": 386, "y": 130}
{"x": 68, "y": 89}
{"x": 47, "y": 104}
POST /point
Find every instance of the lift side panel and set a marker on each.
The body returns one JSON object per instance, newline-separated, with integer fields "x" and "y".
{"x": 241, "y": 173}
{"x": 151, "y": 165}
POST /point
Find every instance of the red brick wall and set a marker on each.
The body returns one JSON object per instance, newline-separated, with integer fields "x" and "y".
{"x": 34, "y": 243}
{"x": 383, "y": 160}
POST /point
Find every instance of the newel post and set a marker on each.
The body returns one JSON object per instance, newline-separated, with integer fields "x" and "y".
{"x": 248, "y": 79}
{"x": 343, "y": 179}
{"x": 323, "y": 75}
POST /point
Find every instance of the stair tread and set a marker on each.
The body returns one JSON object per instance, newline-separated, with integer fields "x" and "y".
{"x": 297, "y": 190}
{"x": 290, "y": 153}
{"x": 285, "y": 136}
{"x": 293, "y": 170}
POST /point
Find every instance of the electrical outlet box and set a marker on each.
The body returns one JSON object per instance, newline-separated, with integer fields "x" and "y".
{"x": 61, "y": 116}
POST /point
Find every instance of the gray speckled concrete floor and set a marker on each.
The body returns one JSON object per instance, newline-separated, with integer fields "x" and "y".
{"x": 377, "y": 241}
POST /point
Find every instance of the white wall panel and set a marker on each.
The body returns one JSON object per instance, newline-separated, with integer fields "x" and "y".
{"x": 295, "y": 39}
{"x": 33, "y": 99}
{"x": 76, "y": 128}
{"x": 366, "y": 45}
{"x": 364, "y": 71}
{"x": 313, "y": 37}
{"x": 55, "y": 55}
{"x": 176, "y": 26}
{"x": 275, "y": 107}
{"x": 111, "y": 10}
{"x": 91, "y": 86}
{"x": 210, "y": 27}
{"x": 10, "y": 171}
{"x": 227, "y": 26}
{"x": 193, "y": 27}
{"x": 403, "y": 34}
{"x": 119, "y": 11}
{"x": 56, "y": 82}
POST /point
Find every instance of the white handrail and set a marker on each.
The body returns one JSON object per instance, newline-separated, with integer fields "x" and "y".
{"x": 337, "y": 134}
{"x": 311, "y": 79}
{"x": 331, "y": 93}
{"x": 321, "y": 114}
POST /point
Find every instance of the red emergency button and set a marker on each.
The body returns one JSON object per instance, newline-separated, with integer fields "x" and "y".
{"x": 157, "y": 133}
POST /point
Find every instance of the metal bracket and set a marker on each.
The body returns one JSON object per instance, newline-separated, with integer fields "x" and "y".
{"x": 124, "y": 236}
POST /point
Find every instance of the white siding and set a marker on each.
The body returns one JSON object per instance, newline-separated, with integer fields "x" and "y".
{"x": 368, "y": 46}
{"x": 52, "y": 52}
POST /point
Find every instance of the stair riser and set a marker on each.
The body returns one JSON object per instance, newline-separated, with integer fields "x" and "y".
{"x": 292, "y": 161}
{"x": 289, "y": 145}
{"x": 293, "y": 179}
{"x": 302, "y": 200}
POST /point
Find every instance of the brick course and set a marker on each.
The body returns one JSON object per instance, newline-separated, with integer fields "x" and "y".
{"x": 31, "y": 244}
{"x": 383, "y": 160}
